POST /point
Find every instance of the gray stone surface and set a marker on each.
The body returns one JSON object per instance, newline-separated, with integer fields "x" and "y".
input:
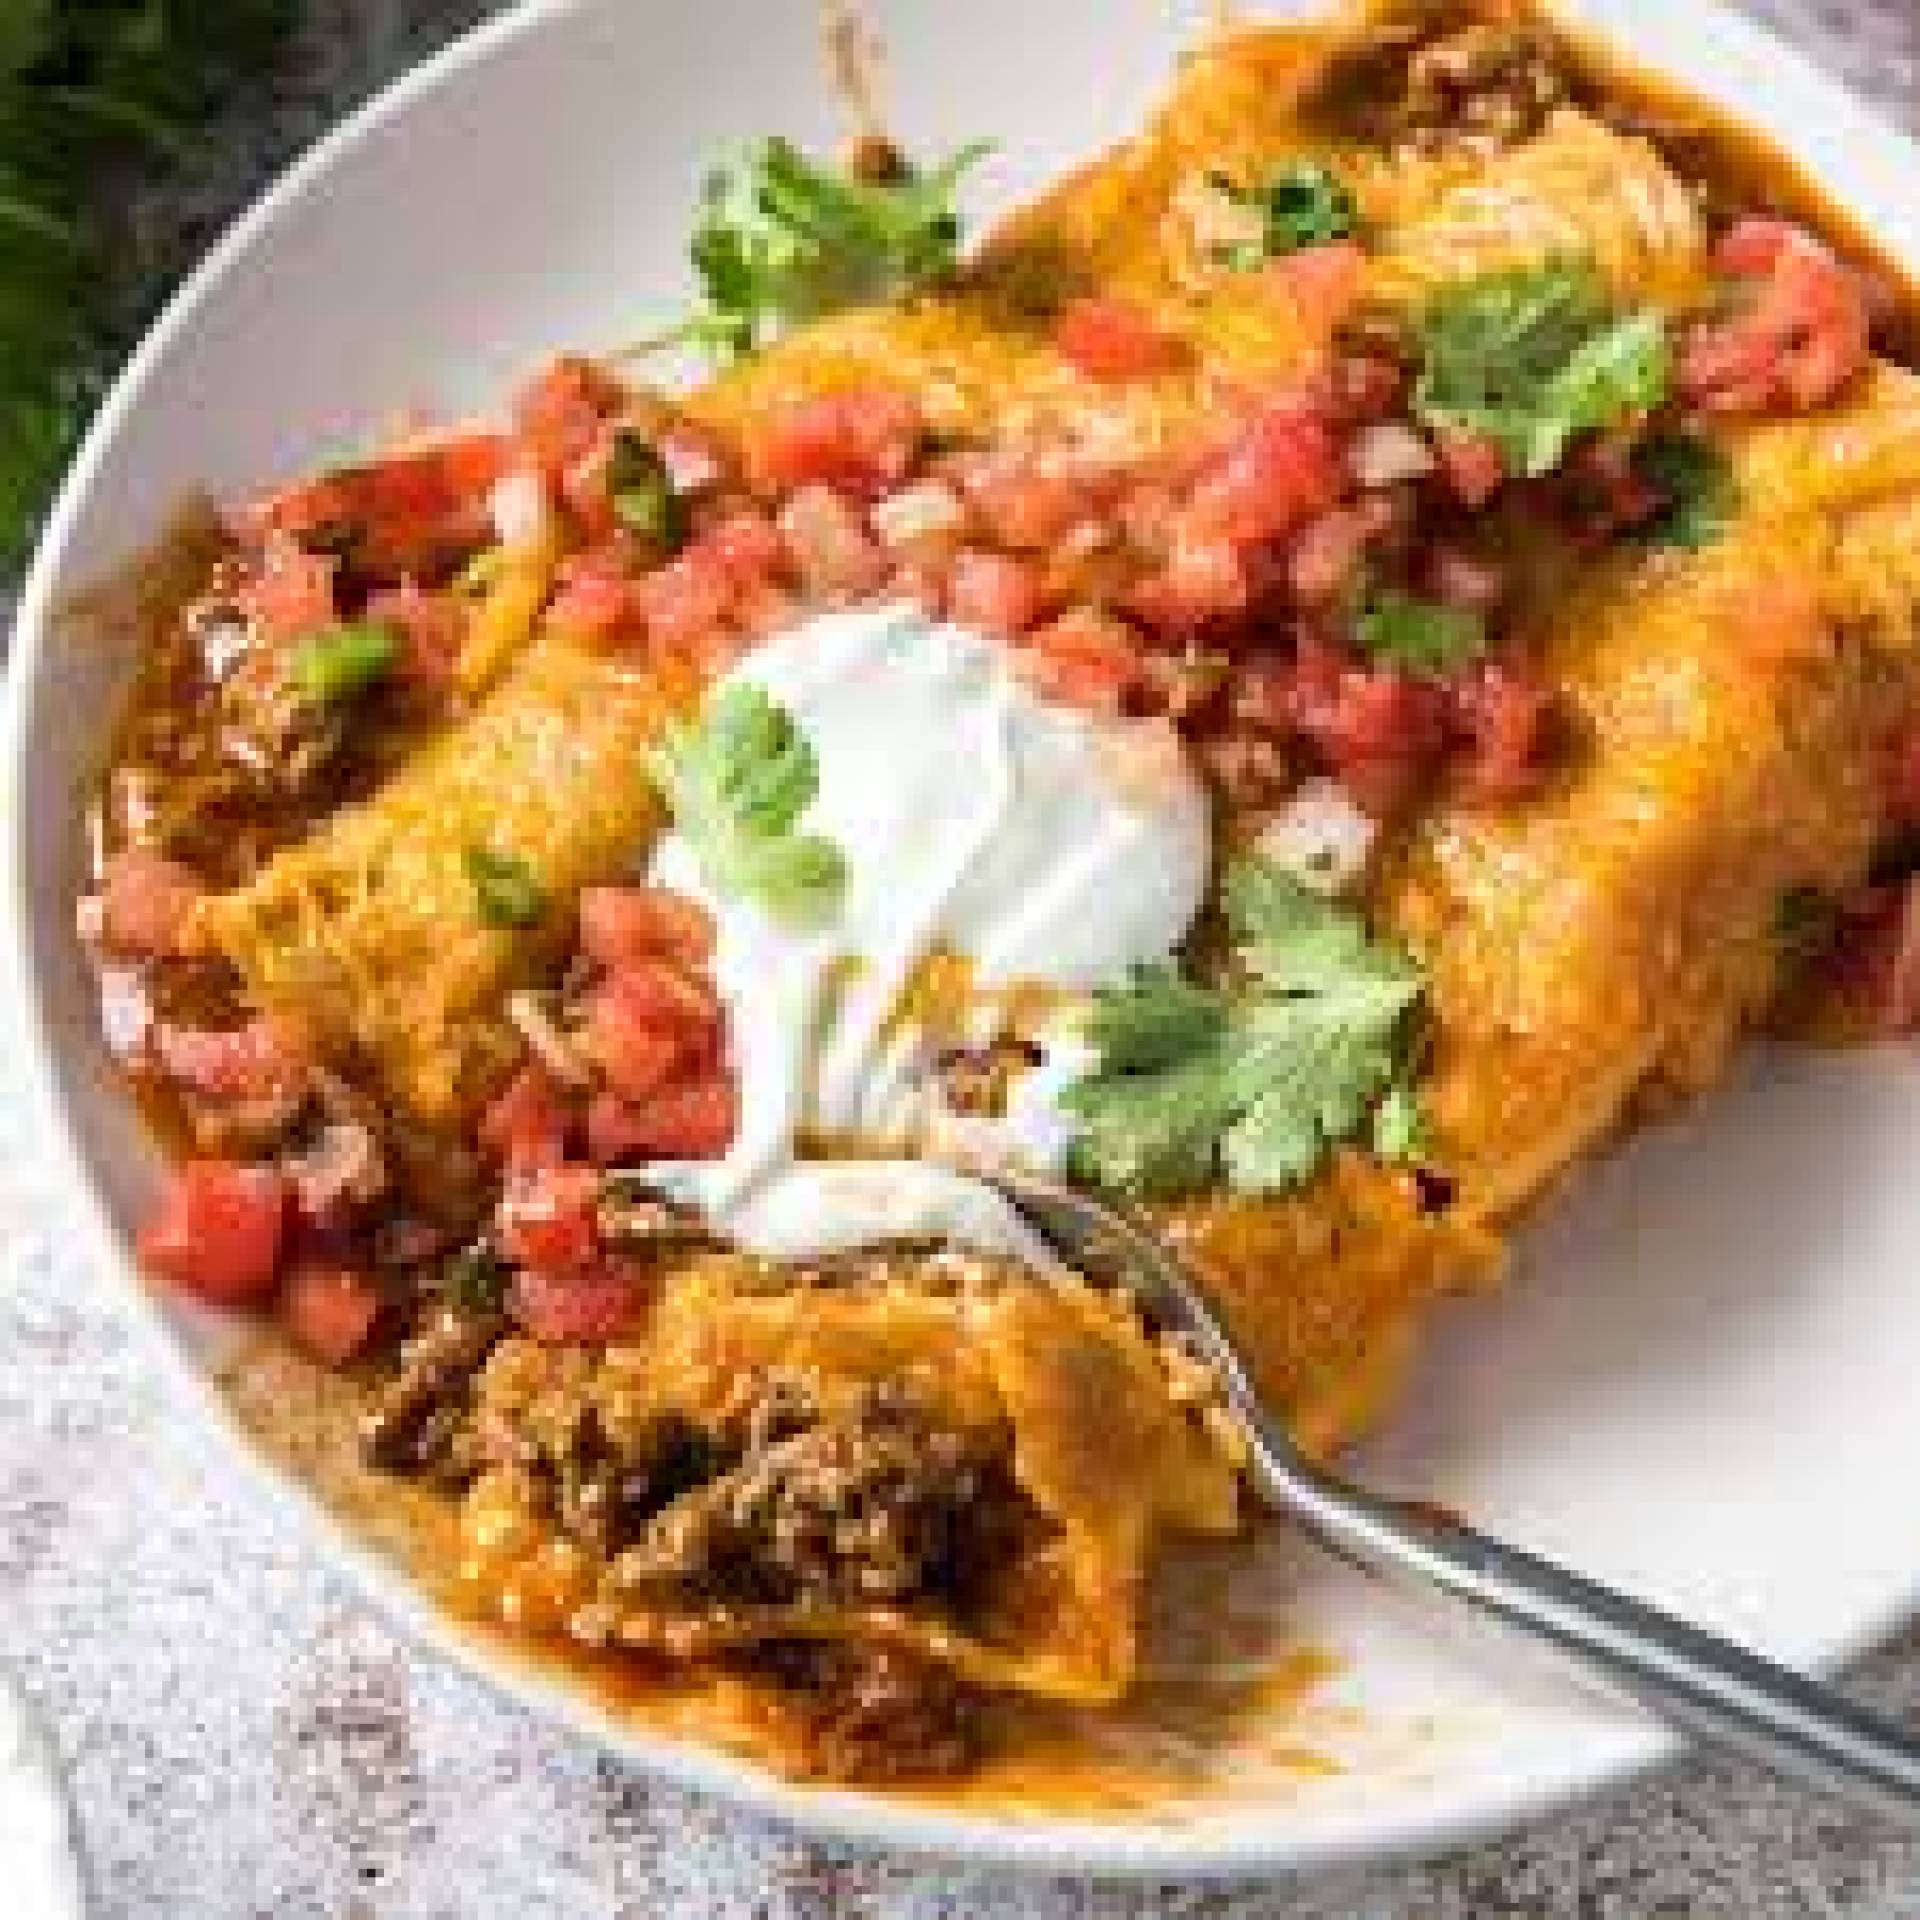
{"x": 247, "y": 1742}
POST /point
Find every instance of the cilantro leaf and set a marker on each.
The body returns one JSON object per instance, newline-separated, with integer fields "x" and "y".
{"x": 782, "y": 238}
{"x": 1531, "y": 357}
{"x": 1423, "y": 636}
{"x": 1400, "y": 1133}
{"x": 642, "y": 495}
{"x": 738, "y": 778}
{"x": 1305, "y": 204}
{"x": 1695, "y": 481}
{"x": 1260, "y": 1081}
{"x": 506, "y": 891}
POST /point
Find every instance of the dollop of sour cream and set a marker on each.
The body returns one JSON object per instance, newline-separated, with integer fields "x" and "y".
{"x": 1025, "y": 853}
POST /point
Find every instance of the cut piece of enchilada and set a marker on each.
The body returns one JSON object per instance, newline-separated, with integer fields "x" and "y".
{"x": 1321, "y": 675}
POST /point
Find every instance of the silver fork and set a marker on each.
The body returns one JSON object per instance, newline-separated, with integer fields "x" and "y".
{"x": 1698, "y": 1682}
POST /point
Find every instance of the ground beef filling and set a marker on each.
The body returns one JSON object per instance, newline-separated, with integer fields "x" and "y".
{"x": 794, "y": 1494}
{"x": 879, "y": 1506}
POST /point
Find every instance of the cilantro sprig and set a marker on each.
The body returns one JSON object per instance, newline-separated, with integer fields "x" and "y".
{"x": 1532, "y": 357}
{"x": 1304, "y": 204}
{"x": 1260, "y": 1080}
{"x": 1400, "y": 629}
{"x": 738, "y": 778}
{"x": 783, "y": 238}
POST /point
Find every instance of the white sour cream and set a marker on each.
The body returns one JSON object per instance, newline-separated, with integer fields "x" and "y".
{"x": 1045, "y": 849}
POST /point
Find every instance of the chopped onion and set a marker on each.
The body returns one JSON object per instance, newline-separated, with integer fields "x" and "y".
{"x": 522, "y": 513}
{"x": 830, "y": 546}
{"x": 1217, "y": 223}
{"x": 927, "y": 513}
{"x": 126, "y": 1013}
{"x": 1387, "y": 451}
{"x": 1321, "y": 837}
{"x": 534, "y": 1021}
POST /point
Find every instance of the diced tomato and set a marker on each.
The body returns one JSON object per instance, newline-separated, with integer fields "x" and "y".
{"x": 1083, "y": 659}
{"x": 406, "y": 512}
{"x": 527, "y": 1125}
{"x": 432, "y": 629}
{"x": 1800, "y": 336}
{"x": 623, "y": 925}
{"x": 1329, "y": 550}
{"x": 644, "y": 1022}
{"x": 593, "y": 1302}
{"x": 1474, "y": 466}
{"x": 832, "y": 550}
{"x": 1023, "y": 506}
{"x": 1204, "y": 578}
{"x": 558, "y": 415}
{"x": 1282, "y": 466}
{"x": 292, "y": 591}
{"x": 595, "y": 597}
{"x": 329, "y": 1308}
{"x": 860, "y": 440}
{"x": 747, "y": 547}
{"x": 684, "y": 604}
{"x": 547, "y": 1216}
{"x": 146, "y": 902}
{"x": 1507, "y": 717}
{"x": 268, "y": 1058}
{"x": 1322, "y": 284}
{"x": 1109, "y": 339}
{"x": 217, "y": 1231}
{"x": 992, "y": 591}
{"x": 1375, "y": 727}
{"x": 691, "y": 1121}
{"x": 1381, "y": 714}
{"x": 583, "y": 486}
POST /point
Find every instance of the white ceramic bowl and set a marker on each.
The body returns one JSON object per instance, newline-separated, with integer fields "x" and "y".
{"x": 1701, "y": 1385}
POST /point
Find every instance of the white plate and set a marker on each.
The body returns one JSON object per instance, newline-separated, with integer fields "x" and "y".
{"x": 1702, "y": 1384}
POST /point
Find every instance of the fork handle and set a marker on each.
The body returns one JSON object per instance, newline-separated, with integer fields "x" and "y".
{"x": 1697, "y": 1681}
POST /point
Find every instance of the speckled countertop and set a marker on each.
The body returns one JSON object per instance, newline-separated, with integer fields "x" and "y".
{"x": 247, "y": 1742}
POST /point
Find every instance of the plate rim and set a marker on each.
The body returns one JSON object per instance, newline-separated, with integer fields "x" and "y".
{"x": 1238, "y": 1843}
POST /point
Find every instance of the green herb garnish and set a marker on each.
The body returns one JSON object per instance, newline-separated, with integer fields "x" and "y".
{"x": 1532, "y": 357}
{"x": 1259, "y": 1080}
{"x": 738, "y": 778}
{"x": 506, "y": 891}
{"x": 475, "y": 1279}
{"x": 1422, "y": 636}
{"x": 641, "y": 491}
{"x": 1695, "y": 481}
{"x": 782, "y": 238}
{"x": 1400, "y": 1135}
{"x": 1305, "y": 204}
{"x": 338, "y": 663}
